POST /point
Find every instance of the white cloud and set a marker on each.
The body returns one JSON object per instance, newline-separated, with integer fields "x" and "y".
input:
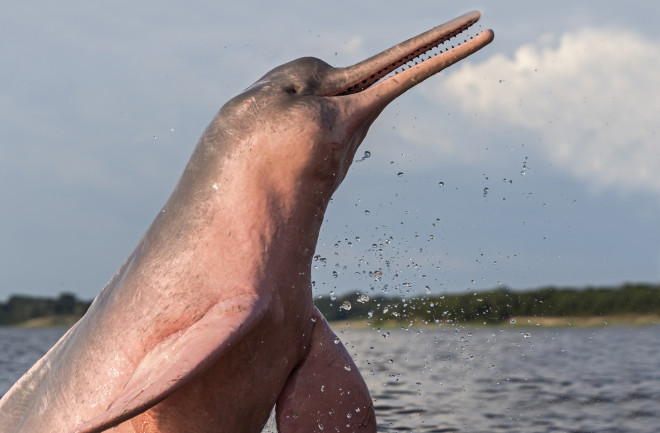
{"x": 592, "y": 95}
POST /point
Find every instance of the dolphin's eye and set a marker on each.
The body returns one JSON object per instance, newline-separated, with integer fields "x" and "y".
{"x": 291, "y": 90}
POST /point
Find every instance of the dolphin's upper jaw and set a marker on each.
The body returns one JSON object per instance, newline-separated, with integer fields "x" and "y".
{"x": 424, "y": 55}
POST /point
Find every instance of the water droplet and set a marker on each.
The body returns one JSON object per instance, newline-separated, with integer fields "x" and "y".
{"x": 357, "y": 410}
{"x": 336, "y": 340}
{"x": 332, "y": 296}
{"x": 486, "y": 191}
{"x": 399, "y": 174}
{"x": 370, "y": 314}
{"x": 313, "y": 319}
{"x": 441, "y": 184}
{"x": 322, "y": 388}
{"x": 334, "y": 274}
{"x": 376, "y": 275}
{"x": 349, "y": 415}
{"x": 362, "y": 299}
{"x": 366, "y": 155}
{"x": 367, "y": 212}
{"x": 346, "y": 305}
{"x": 347, "y": 367}
{"x": 320, "y": 426}
{"x": 512, "y": 321}
{"x": 428, "y": 289}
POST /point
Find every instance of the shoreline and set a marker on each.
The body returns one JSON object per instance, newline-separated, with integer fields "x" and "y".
{"x": 514, "y": 322}
{"x": 47, "y": 322}
{"x": 586, "y": 322}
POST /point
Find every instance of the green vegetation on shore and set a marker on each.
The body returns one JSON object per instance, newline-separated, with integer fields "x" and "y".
{"x": 625, "y": 304}
{"x": 42, "y": 312}
{"x": 497, "y": 306}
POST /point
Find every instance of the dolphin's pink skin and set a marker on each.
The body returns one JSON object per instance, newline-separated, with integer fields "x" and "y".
{"x": 210, "y": 322}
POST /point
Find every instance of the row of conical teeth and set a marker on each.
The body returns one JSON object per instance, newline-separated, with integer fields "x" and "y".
{"x": 429, "y": 50}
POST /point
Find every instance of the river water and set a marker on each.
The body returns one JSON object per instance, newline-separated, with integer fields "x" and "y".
{"x": 461, "y": 379}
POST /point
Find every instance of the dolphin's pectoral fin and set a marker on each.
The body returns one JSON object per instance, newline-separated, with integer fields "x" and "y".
{"x": 326, "y": 391}
{"x": 177, "y": 360}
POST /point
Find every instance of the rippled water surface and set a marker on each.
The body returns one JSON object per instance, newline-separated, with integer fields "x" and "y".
{"x": 479, "y": 380}
{"x": 530, "y": 380}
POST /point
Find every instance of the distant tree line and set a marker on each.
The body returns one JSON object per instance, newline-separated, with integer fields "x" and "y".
{"x": 490, "y": 307}
{"x": 497, "y": 305}
{"x": 20, "y": 309}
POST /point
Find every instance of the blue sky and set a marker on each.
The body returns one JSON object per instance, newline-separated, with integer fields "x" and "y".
{"x": 102, "y": 103}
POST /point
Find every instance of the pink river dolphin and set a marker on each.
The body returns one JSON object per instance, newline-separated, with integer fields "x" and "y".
{"x": 210, "y": 323}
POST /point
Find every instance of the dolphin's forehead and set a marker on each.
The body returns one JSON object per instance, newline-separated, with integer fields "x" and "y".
{"x": 307, "y": 71}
